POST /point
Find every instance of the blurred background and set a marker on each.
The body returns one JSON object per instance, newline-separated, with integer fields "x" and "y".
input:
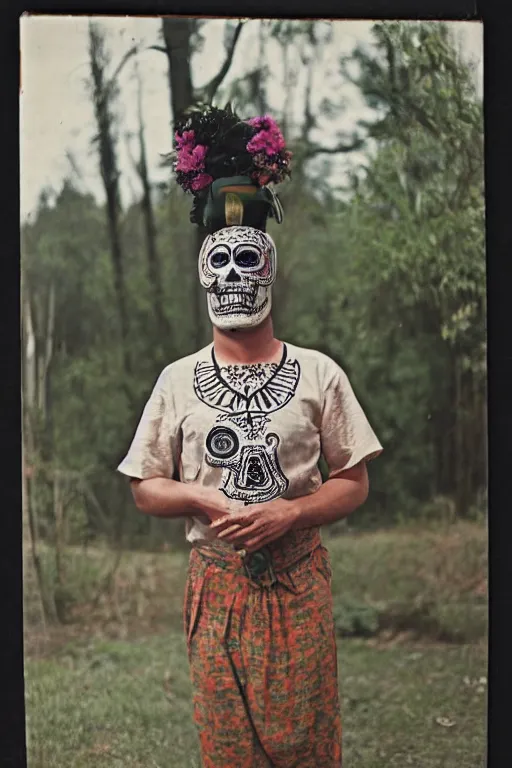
{"x": 381, "y": 266}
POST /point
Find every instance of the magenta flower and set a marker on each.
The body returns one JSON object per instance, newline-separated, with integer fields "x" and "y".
{"x": 186, "y": 139}
{"x": 185, "y": 162}
{"x": 199, "y": 154}
{"x": 201, "y": 181}
{"x": 270, "y": 159}
{"x": 191, "y": 158}
{"x": 264, "y": 122}
{"x": 267, "y": 142}
{"x": 268, "y": 139}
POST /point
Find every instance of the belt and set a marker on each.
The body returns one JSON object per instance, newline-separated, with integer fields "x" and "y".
{"x": 257, "y": 563}
{"x": 278, "y": 557}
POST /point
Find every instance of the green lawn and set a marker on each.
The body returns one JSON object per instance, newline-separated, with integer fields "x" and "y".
{"x": 111, "y": 687}
{"x": 128, "y": 704}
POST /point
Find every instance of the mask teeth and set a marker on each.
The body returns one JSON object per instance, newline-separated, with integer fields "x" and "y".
{"x": 232, "y": 298}
{"x": 225, "y": 303}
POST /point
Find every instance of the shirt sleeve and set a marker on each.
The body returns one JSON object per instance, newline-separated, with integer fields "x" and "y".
{"x": 346, "y": 435}
{"x": 154, "y": 451}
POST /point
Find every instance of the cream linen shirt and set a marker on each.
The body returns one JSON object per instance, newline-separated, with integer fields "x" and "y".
{"x": 254, "y": 431}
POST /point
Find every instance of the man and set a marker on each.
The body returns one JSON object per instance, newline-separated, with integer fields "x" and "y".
{"x": 244, "y": 422}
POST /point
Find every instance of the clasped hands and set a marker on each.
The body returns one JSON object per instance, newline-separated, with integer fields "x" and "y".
{"x": 253, "y": 526}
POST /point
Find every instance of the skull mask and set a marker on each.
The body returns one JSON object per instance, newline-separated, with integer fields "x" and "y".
{"x": 237, "y": 266}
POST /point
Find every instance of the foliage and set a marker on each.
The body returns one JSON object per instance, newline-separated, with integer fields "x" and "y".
{"x": 353, "y": 619}
{"x": 418, "y": 222}
{"x": 403, "y": 308}
{"x": 390, "y": 282}
{"x": 427, "y": 580}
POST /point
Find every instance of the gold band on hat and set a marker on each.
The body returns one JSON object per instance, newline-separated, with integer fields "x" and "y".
{"x": 234, "y": 210}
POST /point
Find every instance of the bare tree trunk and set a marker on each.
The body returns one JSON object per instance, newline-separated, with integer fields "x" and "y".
{"x": 154, "y": 265}
{"x": 103, "y": 95}
{"x": 30, "y": 540}
{"x": 58, "y": 512}
{"x": 177, "y": 36}
{"x": 483, "y": 416}
{"x": 459, "y": 444}
{"x": 29, "y": 348}
{"x": 261, "y": 100}
{"x": 285, "y": 126}
{"x": 30, "y": 489}
{"x": 119, "y": 280}
{"x": 45, "y": 354}
{"x": 32, "y": 384}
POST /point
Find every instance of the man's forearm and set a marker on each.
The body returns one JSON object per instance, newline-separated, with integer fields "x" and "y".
{"x": 161, "y": 497}
{"x": 334, "y": 500}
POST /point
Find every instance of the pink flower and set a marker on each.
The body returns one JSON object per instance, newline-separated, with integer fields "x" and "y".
{"x": 185, "y": 162}
{"x": 186, "y": 139}
{"x": 199, "y": 153}
{"x": 201, "y": 181}
{"x": 265, "y": 122}
{"x": 191, "y": 158}
{"x": 268, "y": 139}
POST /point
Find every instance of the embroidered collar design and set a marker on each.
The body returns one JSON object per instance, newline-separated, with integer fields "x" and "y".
{"x": 246, "y": 394}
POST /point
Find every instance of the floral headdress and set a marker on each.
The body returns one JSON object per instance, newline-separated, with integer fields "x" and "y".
{"x": 211, "y": 143}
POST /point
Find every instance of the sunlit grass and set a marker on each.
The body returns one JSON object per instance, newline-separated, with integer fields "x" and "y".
{"x": 128, "y": 703}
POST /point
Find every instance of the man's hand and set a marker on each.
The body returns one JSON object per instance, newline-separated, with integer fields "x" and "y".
{"x": 214, "y": 504}
{"x": 256, "y": 525}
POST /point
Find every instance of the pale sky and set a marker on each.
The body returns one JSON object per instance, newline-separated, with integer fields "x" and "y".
{"x": 57, "y": 116}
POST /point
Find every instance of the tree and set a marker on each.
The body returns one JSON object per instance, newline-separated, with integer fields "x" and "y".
{"x": 303, "y": 44}
{"x": 421, "y": 213}
{"x": 153, "y": 258}
{"x": 37, "y": 349}
{"x": 104, "y": 92}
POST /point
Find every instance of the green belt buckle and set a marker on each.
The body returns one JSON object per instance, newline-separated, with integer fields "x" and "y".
{"x": 258, "y": 563}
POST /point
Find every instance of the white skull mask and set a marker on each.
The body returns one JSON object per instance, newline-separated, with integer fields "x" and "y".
{"x": 237, "y": 266}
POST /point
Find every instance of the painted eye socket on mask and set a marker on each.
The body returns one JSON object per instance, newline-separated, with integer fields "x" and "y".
{"x": 246, "y": 258}
{"x": 219, "y": 259}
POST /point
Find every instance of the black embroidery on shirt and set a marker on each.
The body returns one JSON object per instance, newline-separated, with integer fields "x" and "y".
{"x": 222, "y": 443}
{"x": 254, "y": 473}
{"x": 246, "y": 395}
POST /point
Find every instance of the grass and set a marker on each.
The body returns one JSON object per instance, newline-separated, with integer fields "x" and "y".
{"x": 112, "y": 702}
{"x": 111, "y": 685}
{"x": 431, "y": 581}
{"x": 128, "y": 703}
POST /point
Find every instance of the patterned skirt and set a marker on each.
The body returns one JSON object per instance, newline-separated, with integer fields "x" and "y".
{"x": 262, "y": 655}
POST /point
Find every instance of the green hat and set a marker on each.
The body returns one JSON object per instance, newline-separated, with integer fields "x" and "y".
{"x": 237, "y": 201}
